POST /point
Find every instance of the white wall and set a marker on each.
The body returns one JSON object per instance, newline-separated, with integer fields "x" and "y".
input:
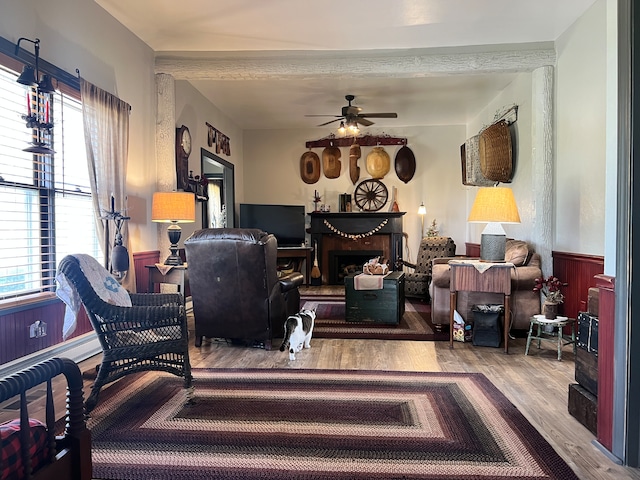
{"x": 272, "y": 175}
{"x": 193, "y": 110}
{"x": 78, "y": 34}
{"x": 580, "y": 134}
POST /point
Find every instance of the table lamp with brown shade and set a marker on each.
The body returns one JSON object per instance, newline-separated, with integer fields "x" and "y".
{"x": 173, "y": 208}
{"x": 494, "y": 206}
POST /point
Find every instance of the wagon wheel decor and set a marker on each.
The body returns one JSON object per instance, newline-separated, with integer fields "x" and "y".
{"x": 371, "y": 195}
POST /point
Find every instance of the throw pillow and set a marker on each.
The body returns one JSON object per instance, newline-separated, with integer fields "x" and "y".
{"x": 516, "y": 252}
{"x": 11, "y": 458}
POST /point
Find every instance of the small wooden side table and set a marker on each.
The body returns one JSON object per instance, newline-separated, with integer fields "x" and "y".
{"x": 557, "y": 337}
{"x": 476, "y": 276}
{"x": 298, "y": 252}
{"x": 178, "y": 275}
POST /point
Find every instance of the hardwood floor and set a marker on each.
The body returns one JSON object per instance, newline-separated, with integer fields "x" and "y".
{"x": 537, "y": 384}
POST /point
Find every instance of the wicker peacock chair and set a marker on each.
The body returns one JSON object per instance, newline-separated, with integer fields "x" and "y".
{"x": 143, "y": 332}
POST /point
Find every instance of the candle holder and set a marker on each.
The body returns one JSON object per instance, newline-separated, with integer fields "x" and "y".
{"x": 33, "y": 122}
{"x": 316, "y": 200}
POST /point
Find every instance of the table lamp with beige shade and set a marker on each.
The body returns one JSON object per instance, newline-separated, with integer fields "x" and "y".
{"x": 173, "y": 208}
{"x": 494, "y": 206}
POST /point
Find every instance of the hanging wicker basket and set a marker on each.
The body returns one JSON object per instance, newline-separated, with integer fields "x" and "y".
{"x": 496, "y": 152}
{"x": 473, "y": 172}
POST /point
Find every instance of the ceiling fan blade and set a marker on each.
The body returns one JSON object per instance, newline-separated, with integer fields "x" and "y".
{"x": 322, "y": 116}
{"x": 379, "y": 115}
{"x": 363, "y": 121}
{"x": 331, "y": 121}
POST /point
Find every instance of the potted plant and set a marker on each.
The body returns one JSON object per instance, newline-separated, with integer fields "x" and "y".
{"x": 550, "y": 288}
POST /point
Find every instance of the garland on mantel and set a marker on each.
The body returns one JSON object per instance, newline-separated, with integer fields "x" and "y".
{"x": 356, "y": 236}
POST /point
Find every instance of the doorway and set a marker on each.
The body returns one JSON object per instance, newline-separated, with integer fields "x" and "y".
{"x": 218, "y": 211}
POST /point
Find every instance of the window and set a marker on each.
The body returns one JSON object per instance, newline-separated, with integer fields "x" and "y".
{"x": 45, "y": 200}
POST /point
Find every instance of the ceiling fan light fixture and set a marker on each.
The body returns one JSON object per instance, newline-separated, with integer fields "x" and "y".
{"x": 352, "y": 116}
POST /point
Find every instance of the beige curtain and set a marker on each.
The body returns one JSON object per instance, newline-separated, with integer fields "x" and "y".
{"x": 106, "y": 130}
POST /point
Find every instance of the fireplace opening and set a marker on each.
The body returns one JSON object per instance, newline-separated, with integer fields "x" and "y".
{"x": 345, "y": 262}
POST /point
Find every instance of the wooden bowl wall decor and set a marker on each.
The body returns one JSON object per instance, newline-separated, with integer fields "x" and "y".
{"x": 405, "y": 164}
{"x": 378, "y": 162}
{"x": 331, "y": 162}
{"x": 310, "y": 167}
{"x": 354, "y": 169}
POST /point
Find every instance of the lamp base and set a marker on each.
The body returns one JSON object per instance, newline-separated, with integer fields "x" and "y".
{"x": 174, "y": 232}
{"x": 492, "y": 248}
{"x": 173, "y": 259}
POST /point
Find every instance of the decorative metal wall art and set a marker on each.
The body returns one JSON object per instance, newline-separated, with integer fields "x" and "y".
{"x": 219, "y": 139}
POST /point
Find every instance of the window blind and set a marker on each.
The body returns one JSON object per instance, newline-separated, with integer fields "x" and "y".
{"x": 45, "y": 200}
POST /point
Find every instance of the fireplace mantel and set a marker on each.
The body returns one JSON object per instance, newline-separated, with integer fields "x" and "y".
{"x": 356, "y": 231}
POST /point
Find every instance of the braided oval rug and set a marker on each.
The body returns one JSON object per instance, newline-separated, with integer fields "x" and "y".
{"x": 316, "y": 424}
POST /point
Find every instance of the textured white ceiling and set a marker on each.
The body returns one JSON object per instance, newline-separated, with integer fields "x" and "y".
{"x": 278, "y": 28}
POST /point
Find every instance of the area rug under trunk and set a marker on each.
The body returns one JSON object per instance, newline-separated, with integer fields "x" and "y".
{"x": 330, "y": 321}
{"x": 316, "y": 424}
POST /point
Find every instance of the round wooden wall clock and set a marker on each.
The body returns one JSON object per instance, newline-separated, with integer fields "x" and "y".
{"x": 371, "y": 195}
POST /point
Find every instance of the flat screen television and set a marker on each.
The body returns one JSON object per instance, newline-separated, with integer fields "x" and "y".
{"x": 286, "y": 222}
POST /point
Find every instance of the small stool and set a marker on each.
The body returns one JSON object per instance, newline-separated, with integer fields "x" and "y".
{"x": 560, "y": 322}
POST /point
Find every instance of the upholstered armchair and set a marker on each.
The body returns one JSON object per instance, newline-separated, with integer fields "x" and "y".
{"x": 417, "y": 282}
{"x": 524, "y": 301}
{"x": 235, "y": 288}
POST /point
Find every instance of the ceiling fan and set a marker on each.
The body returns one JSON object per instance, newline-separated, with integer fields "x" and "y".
{"x": 351, "y": 115}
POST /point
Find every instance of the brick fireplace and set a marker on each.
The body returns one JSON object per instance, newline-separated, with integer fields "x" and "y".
{"x": 349, "y": 237}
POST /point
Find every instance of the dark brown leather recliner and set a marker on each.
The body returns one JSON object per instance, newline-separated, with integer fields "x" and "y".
{"x": 235, "y": 288}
